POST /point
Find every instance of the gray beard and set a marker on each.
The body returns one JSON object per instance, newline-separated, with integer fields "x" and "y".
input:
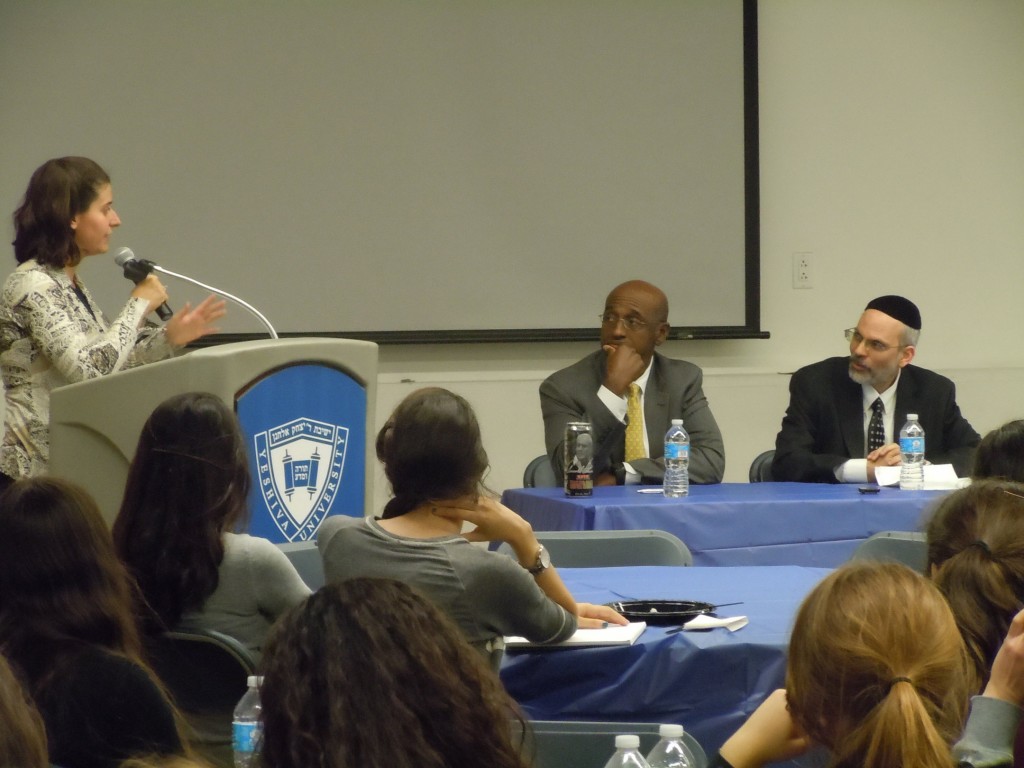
{"x": 860, "y": 378}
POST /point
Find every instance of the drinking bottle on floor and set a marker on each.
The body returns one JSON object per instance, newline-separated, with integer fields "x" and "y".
{"x": 246, "y": 727}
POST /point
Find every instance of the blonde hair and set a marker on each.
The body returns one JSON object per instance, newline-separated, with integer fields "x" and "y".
{"x": 976, "y": 557}
{"x": 22, "y": 737}
{"x": 164, "y": 761}
{"x": 877, "y": 671}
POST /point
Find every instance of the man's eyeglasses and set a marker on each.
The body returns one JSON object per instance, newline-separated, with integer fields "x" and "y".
{"x": 632, "y": 322}
{"x": 853, "y": 335}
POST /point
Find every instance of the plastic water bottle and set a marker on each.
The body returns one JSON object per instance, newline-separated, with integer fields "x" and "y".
{"x": 627, "y": 753}
{"x": 912, "y": 455}
{"x": 671, "y": 751}
{"x": 677, "y": 461}
{"x": 246, "y": 727}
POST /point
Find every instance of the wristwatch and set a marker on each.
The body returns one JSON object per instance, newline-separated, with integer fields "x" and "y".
{"x": 542, "y": 563}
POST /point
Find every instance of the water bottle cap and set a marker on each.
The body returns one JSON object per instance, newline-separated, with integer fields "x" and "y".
{"x": 670, "y": 731}
{"x": 627, "y": 741}
{"x": 677, "y": 422}
{"x": 253, "y": 681}
{"x": 911, "y": 417}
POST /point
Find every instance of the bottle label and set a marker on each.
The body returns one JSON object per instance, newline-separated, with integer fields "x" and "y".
{"x": 246, "y": 736}
{"x": 676, "y": 451}
{"x": 912, "y": 445}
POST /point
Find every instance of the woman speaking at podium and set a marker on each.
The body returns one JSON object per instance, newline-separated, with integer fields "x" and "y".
{"x": 51, "y": 331}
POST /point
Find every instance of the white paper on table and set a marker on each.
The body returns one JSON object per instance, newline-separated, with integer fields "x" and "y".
{"x": 614, "y": 634}
{"x": 703, "y": 621}
{"x": 937, "y": 477}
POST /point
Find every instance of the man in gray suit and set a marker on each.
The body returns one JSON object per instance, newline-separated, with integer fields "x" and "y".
{"x": 598, "y": 389}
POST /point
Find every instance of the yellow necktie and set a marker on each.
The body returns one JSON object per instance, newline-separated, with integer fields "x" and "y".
{"x": 635, "y": 425}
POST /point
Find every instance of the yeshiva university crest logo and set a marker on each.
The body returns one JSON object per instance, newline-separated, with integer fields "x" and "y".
{"x": 300, "y": 466}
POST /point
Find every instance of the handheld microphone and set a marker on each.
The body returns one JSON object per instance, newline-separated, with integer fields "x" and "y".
{"x": 138, "y": 270}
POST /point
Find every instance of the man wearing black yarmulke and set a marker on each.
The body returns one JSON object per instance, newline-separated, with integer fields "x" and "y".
{"x": 845, "y": 413}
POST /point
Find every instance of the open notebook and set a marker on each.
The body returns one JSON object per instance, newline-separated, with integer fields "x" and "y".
{"x": 614, "y": 635}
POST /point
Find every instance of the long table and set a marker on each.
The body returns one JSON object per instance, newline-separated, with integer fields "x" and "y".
{"x": 709, "y": 681}
{"x": 811, "y": 524}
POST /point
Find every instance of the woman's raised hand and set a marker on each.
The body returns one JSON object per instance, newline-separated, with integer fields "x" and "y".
{"x": 189, "y": 324}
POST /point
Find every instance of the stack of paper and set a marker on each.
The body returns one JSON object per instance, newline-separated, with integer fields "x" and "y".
{"x": 937, "y": 477}
{"x": 612, "y": 635}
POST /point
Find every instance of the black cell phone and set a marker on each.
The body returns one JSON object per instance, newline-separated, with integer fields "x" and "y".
{"x": 869, "y": 489}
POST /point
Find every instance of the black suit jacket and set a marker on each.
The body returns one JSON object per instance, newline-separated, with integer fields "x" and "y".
{"x": 824, "y": 424}
{"x": 674, "y": 391}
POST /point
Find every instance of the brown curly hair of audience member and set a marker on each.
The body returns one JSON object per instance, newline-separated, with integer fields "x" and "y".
{"x": 370, "y": 672}
{"x": 877, "y": 672}
{"x": 976, "y": 559}
{"x": 22, "y": 736}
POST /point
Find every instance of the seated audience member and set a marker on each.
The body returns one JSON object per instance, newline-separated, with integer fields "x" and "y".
{"x": 976, "y": 558}
{"x": 22, "y": 738}
{"x": 987, "y": 741}
{"x": 66, "y": 626}
{"x": 1001, "y": 453}
{"x": 996, "y": 714}
{"x": 845, "y": 413}
{"x": 630, "y": 394}
{"x": 186, "y": 492}
{"x": 877, "y": 676}
{"x": 369, "y": 672}
{"x": 433, "y": 457}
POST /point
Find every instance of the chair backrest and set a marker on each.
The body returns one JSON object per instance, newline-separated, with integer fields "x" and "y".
{"x": 203, "y": 669}
{"x": 598, "y": 549}
{"x": 761, "y": 467}
{"x": 307, "y": 561}
{"x": 561, "y": 744}
{"x": 907, "y": 547}
{"x": 540, "y": 474}
{"x": 205, "y": 673}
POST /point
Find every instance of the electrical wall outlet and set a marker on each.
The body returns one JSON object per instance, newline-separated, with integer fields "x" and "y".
{"x": 802, "y": 270}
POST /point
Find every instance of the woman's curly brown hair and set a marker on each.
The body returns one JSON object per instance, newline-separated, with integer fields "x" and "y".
{"x": 370, "y": 672}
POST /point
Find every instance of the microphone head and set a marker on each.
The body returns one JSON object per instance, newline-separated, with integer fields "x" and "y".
{"x": 123, "y": 255}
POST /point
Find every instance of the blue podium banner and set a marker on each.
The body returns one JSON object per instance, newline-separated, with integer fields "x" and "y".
{"x": 305, "y": 426}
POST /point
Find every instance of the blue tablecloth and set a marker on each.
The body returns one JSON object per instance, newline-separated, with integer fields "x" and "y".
{"x": 810, "y": 524}
{"x": 708, "y": 681}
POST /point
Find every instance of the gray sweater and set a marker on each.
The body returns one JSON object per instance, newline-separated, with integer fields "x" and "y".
{"x": 487, "y": 595}
{"x": 257, "y": 584}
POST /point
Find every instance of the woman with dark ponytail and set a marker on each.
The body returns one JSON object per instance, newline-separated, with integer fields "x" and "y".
{"x": 976, "y": 559}
{"x": 433, "y": 456}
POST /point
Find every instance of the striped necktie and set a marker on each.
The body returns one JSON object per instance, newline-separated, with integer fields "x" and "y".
{"x": 876, "y": 427}
{"x": 634, "y": 425}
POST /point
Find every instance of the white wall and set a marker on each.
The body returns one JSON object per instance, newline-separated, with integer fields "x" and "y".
{"x": 892, "y": 149}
